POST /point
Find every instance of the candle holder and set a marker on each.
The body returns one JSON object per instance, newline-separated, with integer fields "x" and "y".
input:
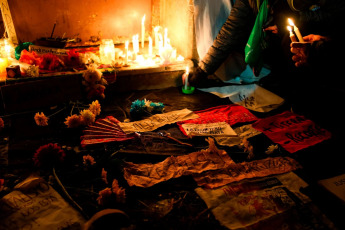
{"x": 188, "y": 90}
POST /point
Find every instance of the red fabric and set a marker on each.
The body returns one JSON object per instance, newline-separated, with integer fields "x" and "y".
{"x": 293, "y": 132}
{"x": 231, "y": 114}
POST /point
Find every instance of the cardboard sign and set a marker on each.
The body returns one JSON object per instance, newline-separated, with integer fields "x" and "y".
{"x": 245, "y": 170}
{"x": 146, "y": 175}
{"x": 157, "y": 120}
{"x": 293, "y": 132}
{"x": 210, "y": 129}
{"x": 34, "y": 204}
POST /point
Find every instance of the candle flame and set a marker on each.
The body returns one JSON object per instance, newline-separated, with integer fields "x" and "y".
{"x": 289, "y": 28}
{"x": 187, "y": 70}
{"x": 143, "y": 20}
{"x": 290, "y": 22}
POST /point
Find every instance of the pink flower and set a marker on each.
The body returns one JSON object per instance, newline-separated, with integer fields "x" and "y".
{"x": 48, "y": 156}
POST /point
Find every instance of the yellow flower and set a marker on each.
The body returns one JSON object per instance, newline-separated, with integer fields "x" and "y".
{"x": 73, "y": 121}
{"x": 88, "y": 117}
{"x": 41, "y": 119}
{"x": 95, "y": 108}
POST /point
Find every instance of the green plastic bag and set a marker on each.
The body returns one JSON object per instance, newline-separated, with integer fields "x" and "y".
{"x": 256, "y": 42}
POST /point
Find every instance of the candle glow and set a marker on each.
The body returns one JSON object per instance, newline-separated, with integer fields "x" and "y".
{"x": 295, "y": 28}
{"x": 292, "y": 35}
{"x": 150, "y": 47}
{"x": 143, "y": 31}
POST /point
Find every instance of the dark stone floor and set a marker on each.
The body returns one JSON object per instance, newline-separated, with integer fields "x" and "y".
{"x": 149, "y": 208}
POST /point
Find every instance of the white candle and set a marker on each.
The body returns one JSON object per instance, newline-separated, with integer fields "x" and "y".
{"x": 165, "y": 37}
{"x": 156, "y": 37}
{"x": 186, "y": 78}
{"x": 126, "y": 48}
{"x": 292, "y": 35}
{"x": 150, "y": 47}
{"x": 295, "y": 28}
{"x": 143, "y": 31}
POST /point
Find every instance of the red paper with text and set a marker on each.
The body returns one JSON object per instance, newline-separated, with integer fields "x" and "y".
{"x": 293, "y": 132}
{"x": 231, "y": 114}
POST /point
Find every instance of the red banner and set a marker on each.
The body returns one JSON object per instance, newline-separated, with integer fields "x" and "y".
{"x": 231, "y": 114}
{"x": 293, "y": 132}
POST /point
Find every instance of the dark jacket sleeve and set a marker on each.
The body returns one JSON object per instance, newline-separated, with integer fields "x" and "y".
{"x": 233, "y": 35}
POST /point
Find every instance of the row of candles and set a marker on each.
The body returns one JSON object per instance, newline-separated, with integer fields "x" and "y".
{"x": 162, "y": 46}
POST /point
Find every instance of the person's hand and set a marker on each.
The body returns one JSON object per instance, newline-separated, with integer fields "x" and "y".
{"x": 198, "y": 78}
{"x": 300, "y": 50}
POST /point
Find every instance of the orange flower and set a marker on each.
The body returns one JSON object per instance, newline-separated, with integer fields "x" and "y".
{"x": 118, "y": 191}
{"x": 88, "y": 117}
{"x": 104, "y": 176}
{"x": 88, "y": 160}
{"x": 41, "y": 119}
{"x": 104, "y": 196}
{"x": 48, "y": 155}
{"x": 95, "y": 108}
{"x": 2, "y": 123}
{"x": 74, "y": 121}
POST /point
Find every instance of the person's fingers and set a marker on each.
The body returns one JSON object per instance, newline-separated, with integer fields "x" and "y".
{"x": 298, "y": 44}
{"x": 296, "y": 58}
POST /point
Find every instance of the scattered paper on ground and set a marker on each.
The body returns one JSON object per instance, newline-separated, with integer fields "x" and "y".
{"x": 243, "y": 132}
{"x": 236, "y": 172}
{"x": 209, "y": 129}
{"x": 146, "y": 175}
{"x": 231, "y": 114}
{"x": 157, "y": 120}
{"x": 244, "y": 204}
{"x": 34, "y": 204}
{"x": 293, "y": 132}
{"x": 251, "y": 96}
{"x": 335, "y": 185}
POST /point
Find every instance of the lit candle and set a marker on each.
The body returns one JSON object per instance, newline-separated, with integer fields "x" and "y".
{"x": 156, "y": 37}
{"x": 126, "y": 48}
{"x": 150, "y": 47}
{"x": 143, "y": 32}
{"x": 295, "y": 28}
{"x": 292, "y": 35}
{"x": 165, "y": 37}
{"x": 186, "y": 78}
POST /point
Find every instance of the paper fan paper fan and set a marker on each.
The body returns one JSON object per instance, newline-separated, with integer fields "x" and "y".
{"x": 104, "y": 130}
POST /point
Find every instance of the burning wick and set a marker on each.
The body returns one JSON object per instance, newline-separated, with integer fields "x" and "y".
{"x": 186, "y": 79}
{"x": 292, "y": 35}
{"x": 295, "y": 28}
